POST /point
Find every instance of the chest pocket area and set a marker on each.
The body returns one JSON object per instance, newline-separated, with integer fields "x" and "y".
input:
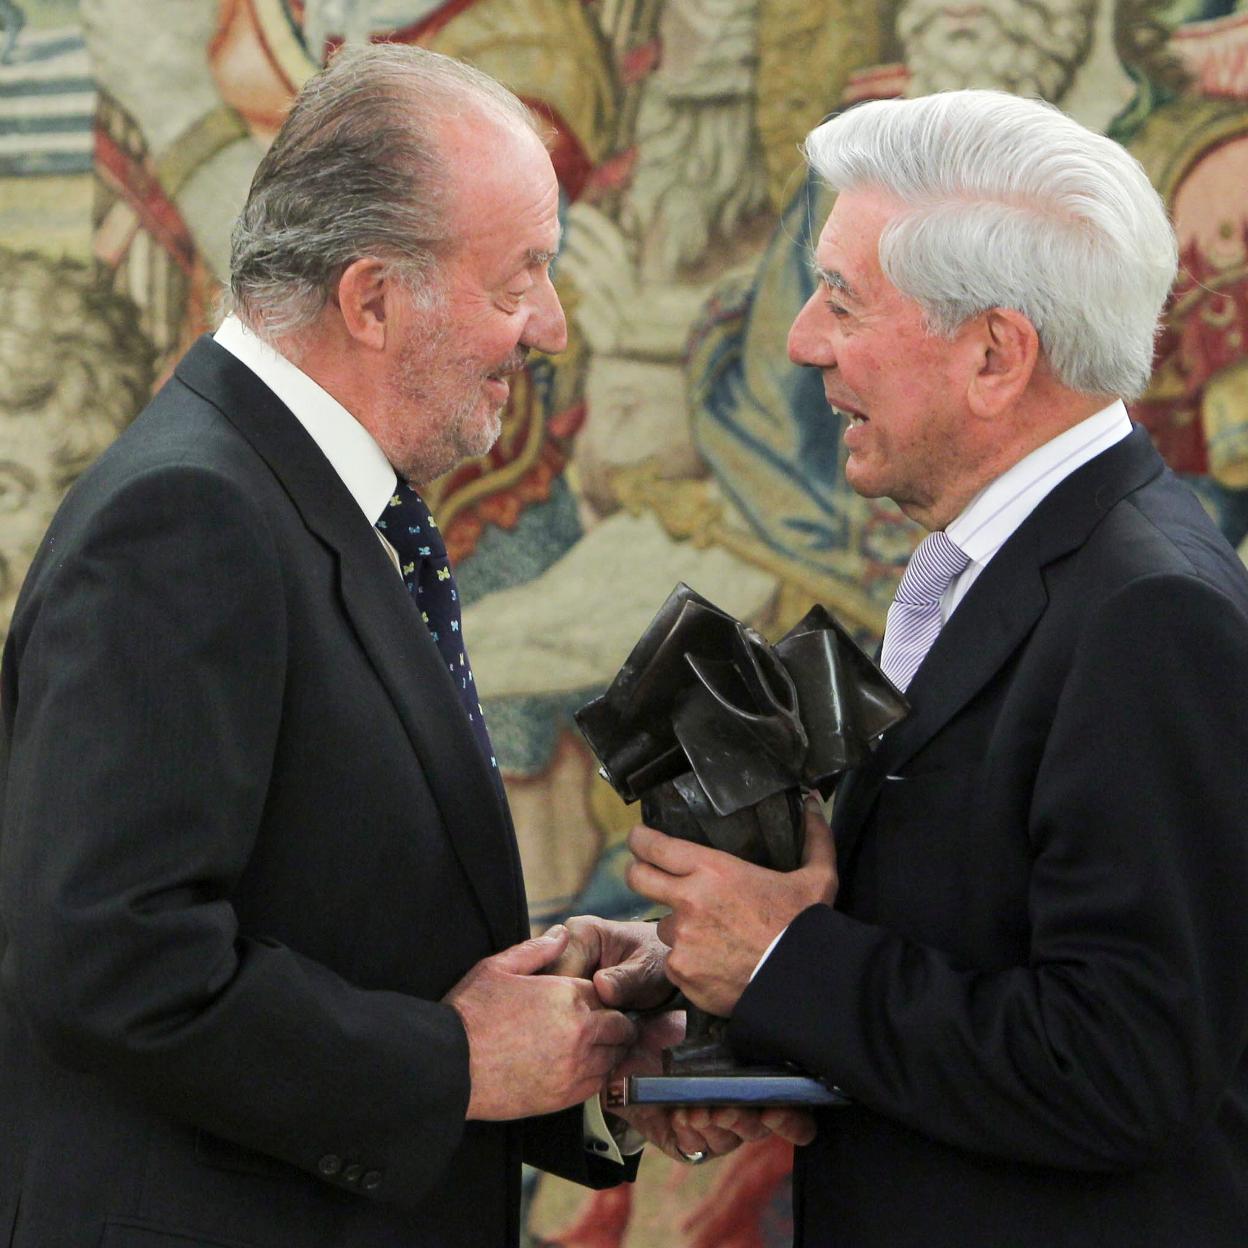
{"x": 920, "y": 864}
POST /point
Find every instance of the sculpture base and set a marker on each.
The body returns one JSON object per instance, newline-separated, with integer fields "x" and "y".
{"x": 758, "y": 1090}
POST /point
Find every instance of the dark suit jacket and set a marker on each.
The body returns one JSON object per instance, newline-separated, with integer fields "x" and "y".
{"x": 1034, "y": 984}
{"x": 248, "y": 843}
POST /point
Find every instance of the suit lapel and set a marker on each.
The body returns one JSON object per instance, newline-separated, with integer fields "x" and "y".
{"x": 389, "y": 628}
{"x": 996, "y": 616}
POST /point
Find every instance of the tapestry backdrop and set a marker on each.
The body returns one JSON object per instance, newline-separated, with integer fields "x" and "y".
{"x": 672, "y": 440}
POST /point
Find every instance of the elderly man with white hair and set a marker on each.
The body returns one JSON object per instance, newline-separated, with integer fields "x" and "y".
{"x": 1027, "y": 963}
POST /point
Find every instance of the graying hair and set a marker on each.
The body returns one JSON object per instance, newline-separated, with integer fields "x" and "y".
{"x": 1011, "y": 204}
{"x": 355, "y": 171}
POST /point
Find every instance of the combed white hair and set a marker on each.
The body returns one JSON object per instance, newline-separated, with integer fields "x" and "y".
{"x": 1011, "y": 204}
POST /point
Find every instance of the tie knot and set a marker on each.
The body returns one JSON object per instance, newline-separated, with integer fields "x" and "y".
{"x": 936, "y": 561}
{"x": 409, "y": 526}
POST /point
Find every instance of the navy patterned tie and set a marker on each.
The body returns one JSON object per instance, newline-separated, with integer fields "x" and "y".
{"x": 914, "y": 618}
{"x": 407, "y": 525}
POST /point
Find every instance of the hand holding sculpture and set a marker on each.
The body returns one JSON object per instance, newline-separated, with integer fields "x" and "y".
{"x": 725, "y": 912}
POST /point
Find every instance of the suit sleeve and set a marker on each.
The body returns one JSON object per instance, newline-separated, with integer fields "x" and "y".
{"x": 142, "y": 723}
{"x": 555, "y": 1143}
{"x": 1116, "y": 1042}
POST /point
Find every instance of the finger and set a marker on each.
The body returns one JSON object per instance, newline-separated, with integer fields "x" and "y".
{"x": 672, "y": 855}
{"x": 572, "y": 963}
{"x": 661, "y": 1031}
{"x": 745, "y": 1123}
{"x": 633, "y": 985}
{"x": 528, "y": 957}
{"x": 611, "y": 1028}
{"x": 820, "y": 848}
{"x": 582, "y": 954}
{"x": 650, "y": 882}
{"x": 688, "y": 1140}
{"x": 793, "y": 1125}
{"x": 720, "y": 1142}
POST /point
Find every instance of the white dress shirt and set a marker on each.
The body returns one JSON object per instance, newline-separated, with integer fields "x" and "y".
{"x": 349, "y": 447}
{"x": 992, "y": 516}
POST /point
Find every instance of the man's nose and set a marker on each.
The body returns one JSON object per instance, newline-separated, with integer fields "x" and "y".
{"x": 547, "y": 329}
{"x": 809, "y": 340}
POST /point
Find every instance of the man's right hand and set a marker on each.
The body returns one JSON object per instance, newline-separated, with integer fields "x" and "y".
{"x": 536, "y": 1043}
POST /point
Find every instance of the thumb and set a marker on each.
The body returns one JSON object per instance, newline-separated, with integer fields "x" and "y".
{"x": 633, "y": 985}
{"x": 820, "y": 848}
{"x": 528, "y": 957}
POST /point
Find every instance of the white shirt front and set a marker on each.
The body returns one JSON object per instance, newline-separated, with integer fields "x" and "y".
{"x": 349, "y": 447}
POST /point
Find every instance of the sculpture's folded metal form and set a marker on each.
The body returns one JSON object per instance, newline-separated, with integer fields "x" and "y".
{"x": 717, "y": 733}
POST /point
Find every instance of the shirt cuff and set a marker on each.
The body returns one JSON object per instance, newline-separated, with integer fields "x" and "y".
{"x": 611, "y": 1143}
{"x": 767, "y": 954}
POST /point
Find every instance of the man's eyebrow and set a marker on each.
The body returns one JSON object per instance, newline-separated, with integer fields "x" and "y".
{"x": 537, "y": 259}
{"x": 833, "y": 280}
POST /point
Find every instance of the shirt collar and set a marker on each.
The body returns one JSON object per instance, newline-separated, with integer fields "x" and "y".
{"x": 351, "y": 450}
{"x": 992, "y": 516}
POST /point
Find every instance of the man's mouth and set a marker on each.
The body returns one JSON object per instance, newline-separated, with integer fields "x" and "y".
{"x": 849, "y": 415}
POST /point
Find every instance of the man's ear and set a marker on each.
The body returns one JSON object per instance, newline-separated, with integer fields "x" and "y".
{"x": 361, "y": 298}
{"x": 1007, "y": 348}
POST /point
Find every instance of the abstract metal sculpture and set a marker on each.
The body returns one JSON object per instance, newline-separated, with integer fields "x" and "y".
{"x": 718, "y": 733}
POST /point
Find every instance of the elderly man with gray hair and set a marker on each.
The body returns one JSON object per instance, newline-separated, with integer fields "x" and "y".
{"x": 265, "y": 976}
{"x": 1027, "y": 966}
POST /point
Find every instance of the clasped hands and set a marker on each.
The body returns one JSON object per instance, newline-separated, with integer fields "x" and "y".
{"x": 544, "y": 1018}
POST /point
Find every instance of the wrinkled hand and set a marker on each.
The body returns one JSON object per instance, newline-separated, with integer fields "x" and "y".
{"x": 625, "y": 961}
{"x": 710, "y": 1130}
{"x": 536, "y": 1043}
{"x": 725, "y": 911}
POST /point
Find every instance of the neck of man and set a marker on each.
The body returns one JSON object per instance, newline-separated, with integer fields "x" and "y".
{"x": 1045, "y": 410}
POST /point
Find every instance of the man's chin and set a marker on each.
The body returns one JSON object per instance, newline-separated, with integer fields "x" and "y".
{"x": 862, "y": 481}
{"x": 480, "y": 438}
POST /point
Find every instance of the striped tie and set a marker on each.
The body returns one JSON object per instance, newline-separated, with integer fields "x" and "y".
{"x": 914, "y": 618}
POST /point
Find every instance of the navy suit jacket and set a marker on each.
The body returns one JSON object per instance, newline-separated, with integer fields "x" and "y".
{"x": 1034, "y": 983}
{"x": 248, "y": 843}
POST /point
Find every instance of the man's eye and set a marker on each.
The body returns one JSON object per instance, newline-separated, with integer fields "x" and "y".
{"x": 835, "y": 308}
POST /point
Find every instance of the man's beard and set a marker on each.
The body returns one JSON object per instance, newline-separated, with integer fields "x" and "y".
{"x": 1023, "y": 48}
{"x": 458, "y": 423}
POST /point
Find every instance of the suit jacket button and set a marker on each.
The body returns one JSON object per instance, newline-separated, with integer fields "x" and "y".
{"x": 329, "y": 1165}
{"x": 352, "y": 1173}
{"x": 371, "y": 1181}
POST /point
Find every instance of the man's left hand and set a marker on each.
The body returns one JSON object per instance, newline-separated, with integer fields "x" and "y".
{"x": 626, "y": 961}
{"x": 725, "y": 911}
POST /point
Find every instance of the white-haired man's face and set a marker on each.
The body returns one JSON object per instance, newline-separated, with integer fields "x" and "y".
{"x": 900, "y": 390}
{"x": 1027, "y": 47}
